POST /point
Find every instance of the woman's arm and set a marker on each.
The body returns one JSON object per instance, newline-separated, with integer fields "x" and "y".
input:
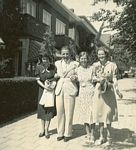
{"x": 115, "y": 82}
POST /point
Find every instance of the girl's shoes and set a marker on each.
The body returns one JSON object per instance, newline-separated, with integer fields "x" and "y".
{"x": 42, "y": 134}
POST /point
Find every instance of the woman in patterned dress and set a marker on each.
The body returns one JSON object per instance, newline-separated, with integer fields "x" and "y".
{"x": 84, "y": 99}
{"x": 44, "y": 71}
{"x": 104, "y": 99}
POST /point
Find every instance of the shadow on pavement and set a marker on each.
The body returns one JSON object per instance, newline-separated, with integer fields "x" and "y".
{"x": 78, "y": 131}
{"x": 127, "y": 101}
{"x": 122, "y": 139}
{"x": 53, "y": 131}
{"x": 130, "y": 90}
{"x": 2, "y": 124}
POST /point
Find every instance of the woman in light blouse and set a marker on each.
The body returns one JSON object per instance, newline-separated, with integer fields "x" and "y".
{"x": 104, "y": 99}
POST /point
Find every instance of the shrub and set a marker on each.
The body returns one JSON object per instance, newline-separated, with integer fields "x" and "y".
{"x": 18, "y": 96}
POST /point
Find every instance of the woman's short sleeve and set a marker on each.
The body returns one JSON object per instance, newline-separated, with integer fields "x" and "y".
{"x": 37, "y": 71}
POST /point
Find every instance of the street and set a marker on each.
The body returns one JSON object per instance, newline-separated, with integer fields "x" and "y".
{"x": 22, "y": 133}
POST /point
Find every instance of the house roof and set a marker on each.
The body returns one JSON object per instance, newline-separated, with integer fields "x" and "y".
{"x": 71, "y": 16}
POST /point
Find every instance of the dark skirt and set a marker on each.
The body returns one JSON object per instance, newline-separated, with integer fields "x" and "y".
{"x": 45, "y": 113}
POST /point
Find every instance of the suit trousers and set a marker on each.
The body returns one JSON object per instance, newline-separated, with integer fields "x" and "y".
{"x": 65, "y": 110}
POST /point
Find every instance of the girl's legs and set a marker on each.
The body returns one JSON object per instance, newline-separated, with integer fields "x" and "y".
{"x": 42, "y": 132}
{"x": 47, "y": 124}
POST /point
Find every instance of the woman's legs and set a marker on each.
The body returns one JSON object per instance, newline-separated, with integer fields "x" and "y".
{"x": 87, "y": 129}
{"x": 109, "y": 130}
{"x": 101, "y": 126}
{"x": 90, "y": 133}
{"x": 92, "y": 130}
{"x": 101, "y": 139}
{"x": 109, "y": 139}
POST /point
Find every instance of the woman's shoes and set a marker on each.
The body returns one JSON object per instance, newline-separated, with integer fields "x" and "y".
{"x": 100, "y": 141}
{"x": 42, "y": 134}
{"x": 108, "y": 142}
{"x": 89, "y": 139}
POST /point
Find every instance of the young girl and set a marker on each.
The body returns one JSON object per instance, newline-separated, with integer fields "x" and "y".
{"x": 48, "y": 96}
{"x": 46, "y": 110}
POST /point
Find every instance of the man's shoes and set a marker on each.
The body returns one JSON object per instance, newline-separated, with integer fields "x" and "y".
{"x": 47, "y": 136}
{"x": 66, "y": 139}
{"x": 60, "y": 138}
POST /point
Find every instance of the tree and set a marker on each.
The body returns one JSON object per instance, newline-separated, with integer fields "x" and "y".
{"x": 118, "y": 2}
{"x": 124, "y": 23}
{"x": 48, "y": 45}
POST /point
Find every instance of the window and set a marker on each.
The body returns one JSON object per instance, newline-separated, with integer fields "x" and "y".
{"x": 47, "y": 18}
{"x": 28, "y": 7}
{"x": 60, "y": 27}
{"x": 71, "y": 33}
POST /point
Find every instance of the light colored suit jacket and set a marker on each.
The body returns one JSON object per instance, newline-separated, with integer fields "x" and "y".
{"x": 69, "y": 87}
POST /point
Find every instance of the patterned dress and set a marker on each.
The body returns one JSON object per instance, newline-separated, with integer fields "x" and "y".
{"x": 104, "y": 104}
{"x": 44, "y": 113}
{"x": 84, "y": 99}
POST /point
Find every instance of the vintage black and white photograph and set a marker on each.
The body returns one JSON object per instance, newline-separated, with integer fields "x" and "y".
{"x": 67, "y": 74}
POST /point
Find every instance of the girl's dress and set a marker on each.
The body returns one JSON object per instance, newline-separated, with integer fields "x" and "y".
{"x": 104, "y": 103}
{"x": 84, "y": 99}
{"x": 45, "y": 113}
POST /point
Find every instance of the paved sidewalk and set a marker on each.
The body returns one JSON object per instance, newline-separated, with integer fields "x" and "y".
{"x": 22, "y": 134}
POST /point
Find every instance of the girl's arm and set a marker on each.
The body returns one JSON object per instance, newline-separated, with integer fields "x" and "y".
{"x": 42, "y": 85}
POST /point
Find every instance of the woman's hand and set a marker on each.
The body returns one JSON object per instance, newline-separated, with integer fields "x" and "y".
{"x": 95, "y": 79}
{"x": 119, "y": 94}
{"x": 73, "y": 78}
{"x": 115, "y": 116}
{"x": 56, "y": 76}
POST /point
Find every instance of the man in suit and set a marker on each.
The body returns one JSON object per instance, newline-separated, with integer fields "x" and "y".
{"x": 66, "y": 91}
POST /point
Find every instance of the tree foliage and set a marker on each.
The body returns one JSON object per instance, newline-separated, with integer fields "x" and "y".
{"x": 124, "y": 23}
{"x": 48, "y": 44}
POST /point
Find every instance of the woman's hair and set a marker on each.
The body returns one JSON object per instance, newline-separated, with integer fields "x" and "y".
{"x": 83, "y": 53}
{"x": 105, "y": 51}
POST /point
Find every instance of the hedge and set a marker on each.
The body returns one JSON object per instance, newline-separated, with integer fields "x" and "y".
{"x": 18, "y": 96}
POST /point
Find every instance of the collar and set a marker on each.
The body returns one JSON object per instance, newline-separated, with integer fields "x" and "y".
{"x": 62, "y": 60}
{"x": 105, "y": 63}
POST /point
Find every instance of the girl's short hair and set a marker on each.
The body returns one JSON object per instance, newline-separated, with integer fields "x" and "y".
{"x": 65, "y": 47}
{"x": 43, "y": 56}
{"x": 83, "y": 53}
